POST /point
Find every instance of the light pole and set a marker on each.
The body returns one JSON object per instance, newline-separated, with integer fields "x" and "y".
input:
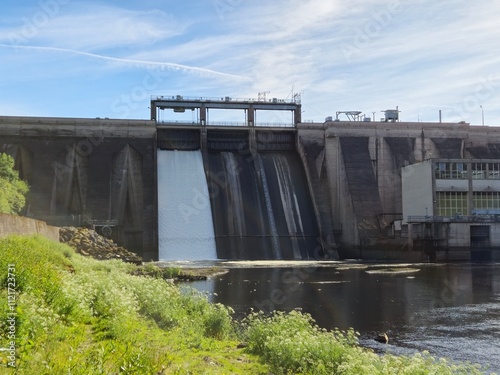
{"x": 482, "y": 113}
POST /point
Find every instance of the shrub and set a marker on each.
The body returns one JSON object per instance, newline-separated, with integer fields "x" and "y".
{"x": 13, "y": 189}
{"x": 293, "y": 343}
{"x": 217, "y": 322}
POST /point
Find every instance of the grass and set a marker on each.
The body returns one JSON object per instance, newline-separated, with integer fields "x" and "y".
{"x": 77, "y": 315}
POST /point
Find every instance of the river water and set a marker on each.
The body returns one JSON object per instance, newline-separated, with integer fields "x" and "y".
{"x": 450, "y": 310}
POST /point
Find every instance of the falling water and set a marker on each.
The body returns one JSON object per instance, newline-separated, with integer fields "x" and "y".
{"x": 261, "y": 206}
{"x": 236, "y": 216}
{"x": 269, "y": 208}
{"x": 185, "y": 227}
{"x": 292, "y": 207}
{"x": 289, "y": 202}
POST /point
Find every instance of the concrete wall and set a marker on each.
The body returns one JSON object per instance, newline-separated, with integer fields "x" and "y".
{"x": 98, "y": 169}
{"x": 486, "y": 185}
{"x": 495, "y": 235}
{"x": 344, "y": 220}
{"x": 388, "y": 176}
{"x": 452, "y": 185}
{"x": 459, "y": 235}
{"x": 312, "y": 152}
{"x": 391, "y": 147}
{"x": 417, "y": 190}
{"x": 11, "y": 224}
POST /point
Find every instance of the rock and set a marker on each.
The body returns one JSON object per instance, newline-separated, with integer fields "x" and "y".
{"x": 241, "y": 345}
{"x": 89, "y": 243}
{"x": 382, "y": 337}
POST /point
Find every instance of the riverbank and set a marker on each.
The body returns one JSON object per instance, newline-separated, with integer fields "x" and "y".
{"x": 78, "y": 315}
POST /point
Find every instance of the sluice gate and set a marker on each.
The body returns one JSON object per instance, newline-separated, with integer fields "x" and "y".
{"x": 257, "y": 188}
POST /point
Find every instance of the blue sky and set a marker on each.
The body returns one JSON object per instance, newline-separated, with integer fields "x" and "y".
{"x": 106, "y": 58}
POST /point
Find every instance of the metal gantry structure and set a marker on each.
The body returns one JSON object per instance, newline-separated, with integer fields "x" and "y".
{"x": 202, "y": 107}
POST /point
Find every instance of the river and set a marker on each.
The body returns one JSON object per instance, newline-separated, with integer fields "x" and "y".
{"x": 450, "y": 310}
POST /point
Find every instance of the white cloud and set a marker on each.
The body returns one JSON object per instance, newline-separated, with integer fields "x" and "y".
{"x": 133, "y": 62}
{"x": 95, "y": 27}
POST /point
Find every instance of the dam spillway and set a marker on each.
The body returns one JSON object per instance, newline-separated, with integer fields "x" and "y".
{"x": 185, "y": 228}
{"x": 261, "y": 206}
{"x": 260, "y": 200}
{"x": 293, "y": 211}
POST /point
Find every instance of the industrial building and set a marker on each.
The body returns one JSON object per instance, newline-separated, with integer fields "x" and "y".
{"x": 453, "y": 205}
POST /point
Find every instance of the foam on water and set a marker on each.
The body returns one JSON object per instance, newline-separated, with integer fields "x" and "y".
{"x": 185, "y": 227}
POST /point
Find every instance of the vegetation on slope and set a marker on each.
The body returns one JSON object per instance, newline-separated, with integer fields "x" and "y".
{"x": 77, "y": 315}
{"x": 13, "y": 189}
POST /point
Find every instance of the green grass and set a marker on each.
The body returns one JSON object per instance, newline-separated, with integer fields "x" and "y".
{"x": 77, "y": 315}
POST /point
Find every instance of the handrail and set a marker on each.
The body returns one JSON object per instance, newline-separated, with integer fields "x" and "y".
{"x": 274, "y": 125}
{"x": 228, "y": 123}
{"x": 456, "y": 219}
{"x": 177, "y": 122}
{"x": 224, "y": 99}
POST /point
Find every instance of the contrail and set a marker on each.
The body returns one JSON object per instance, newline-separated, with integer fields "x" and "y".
{"x": 171, "y": 66}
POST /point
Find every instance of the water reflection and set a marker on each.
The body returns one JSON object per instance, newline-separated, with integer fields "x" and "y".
{"x": 450, "y": 310}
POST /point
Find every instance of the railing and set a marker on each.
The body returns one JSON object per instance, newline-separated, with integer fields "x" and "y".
{"x": 455, "y": 219}
{"x": 87, "y": 220}
{"x": 274, "y": 125}
{"x": 227, "y": 123}
{"x": 177, "y": 122}
{"x": 296, "y": 99}
{"x": 105, "y": 223}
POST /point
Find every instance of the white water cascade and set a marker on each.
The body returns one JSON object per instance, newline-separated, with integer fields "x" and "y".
{"x": 289, "y": 202}
{"x": 185, "y": 227}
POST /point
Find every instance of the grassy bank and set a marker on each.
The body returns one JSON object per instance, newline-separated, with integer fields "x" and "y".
{"x": 76, "y": 315}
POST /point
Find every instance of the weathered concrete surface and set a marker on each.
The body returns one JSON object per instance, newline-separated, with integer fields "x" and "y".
{"x": 82, "y": 171}
{"x": 12, "y": 224}
{"x": 361, "y": 164}
{"x": 311, "y": 149}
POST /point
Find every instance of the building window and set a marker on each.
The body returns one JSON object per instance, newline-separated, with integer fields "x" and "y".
{"x": 494, "y": 171}
{"x": 479, "y": 171}
{"x": 450, "y": 170}
{"x": 487, "y": 200}
{"x": 451, "y": 203}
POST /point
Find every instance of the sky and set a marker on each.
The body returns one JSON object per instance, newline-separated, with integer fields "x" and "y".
{"x": 70, "y": 58}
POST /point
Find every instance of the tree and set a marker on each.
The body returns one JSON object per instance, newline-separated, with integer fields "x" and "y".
{"x": 13, "y": 190}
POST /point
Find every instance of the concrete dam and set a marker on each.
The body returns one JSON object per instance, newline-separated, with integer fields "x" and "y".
{"x": 205, "y": 188}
